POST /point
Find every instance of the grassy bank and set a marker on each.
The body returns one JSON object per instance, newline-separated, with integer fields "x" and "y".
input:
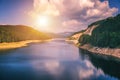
{"x": 13, "y": 45}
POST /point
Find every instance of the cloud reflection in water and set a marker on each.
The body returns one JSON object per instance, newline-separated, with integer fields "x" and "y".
{"x": 55, "y": 60}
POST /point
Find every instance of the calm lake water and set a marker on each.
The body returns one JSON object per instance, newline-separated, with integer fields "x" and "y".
{"x": 56, "y": 60}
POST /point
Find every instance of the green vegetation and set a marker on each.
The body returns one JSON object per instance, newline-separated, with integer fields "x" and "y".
{"x": 106, "y": 34}
{"x": 84, "y": 39}
{"x": 14, "y": 33}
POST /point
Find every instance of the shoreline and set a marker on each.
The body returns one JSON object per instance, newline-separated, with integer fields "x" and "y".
{"x": 103, "y": 51}
{"x": 14, "y": 45}
{"x": 115, "y": 52}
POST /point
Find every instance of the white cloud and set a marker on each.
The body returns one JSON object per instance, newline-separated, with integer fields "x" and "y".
{"x": 89, "y": 70}
{"x": 45, "y": 8}
{"x": 71, "y": 23}
{"x": 75, "y": 13}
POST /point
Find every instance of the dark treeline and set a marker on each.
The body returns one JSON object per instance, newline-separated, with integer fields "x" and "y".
{"x": 14, "y": 33}
{"x": 106, "y": 34}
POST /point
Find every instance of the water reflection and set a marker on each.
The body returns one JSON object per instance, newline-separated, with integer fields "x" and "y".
{"x": 109, "y": 65}
{"x": 55, "y": 60}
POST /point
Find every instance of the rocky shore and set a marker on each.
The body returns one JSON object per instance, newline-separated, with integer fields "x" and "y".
{"x": 115, "y": 52}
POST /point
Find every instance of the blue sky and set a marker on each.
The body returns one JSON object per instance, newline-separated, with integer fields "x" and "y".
{"x": 17, "y": 12}
{"x": 14, "y": 11}
{"x": 115, "y": 3}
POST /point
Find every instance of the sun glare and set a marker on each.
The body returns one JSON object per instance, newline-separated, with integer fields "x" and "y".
{"x": 43, "y": 21}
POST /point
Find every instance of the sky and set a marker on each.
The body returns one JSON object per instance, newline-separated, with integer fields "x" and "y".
{"x": 59, "y": 15}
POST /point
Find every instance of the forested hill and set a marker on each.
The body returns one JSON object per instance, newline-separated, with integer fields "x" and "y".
{"x": 14, "y": 33}
{"x": 106, "y": 34}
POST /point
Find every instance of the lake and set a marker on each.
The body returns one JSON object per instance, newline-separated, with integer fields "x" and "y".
{"x": 56, "y": 60}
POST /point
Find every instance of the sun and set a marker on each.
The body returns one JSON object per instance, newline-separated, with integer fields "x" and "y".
{"x": 43, "y": 21}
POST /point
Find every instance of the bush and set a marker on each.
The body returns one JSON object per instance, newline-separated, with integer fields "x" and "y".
{"x": 84, "y": 39}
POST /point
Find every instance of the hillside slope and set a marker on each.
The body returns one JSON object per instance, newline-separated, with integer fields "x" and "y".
{"x": 105, "y": 34}
{"x": 15, "y": 33}
{"x": 101, "y": 37}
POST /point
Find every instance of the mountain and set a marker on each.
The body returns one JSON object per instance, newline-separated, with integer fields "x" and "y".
{"x": 65, "y": 34}
{"x": 103, "y": 33}
{"x": 14, "y": 33}
{"x": 61, "y": 34}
